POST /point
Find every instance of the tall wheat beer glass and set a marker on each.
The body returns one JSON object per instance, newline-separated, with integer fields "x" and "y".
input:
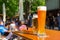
{"x": 41, "y": 10}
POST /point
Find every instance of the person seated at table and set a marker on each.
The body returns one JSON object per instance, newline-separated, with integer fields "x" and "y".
{"x": 22, "y": 26}
{"x": 13, "y": 26}
{"x": 2, "y": 28}
{"x": 7, "y": 25}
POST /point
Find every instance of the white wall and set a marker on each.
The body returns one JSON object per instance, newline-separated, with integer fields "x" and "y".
{"x": 52, "y": 4}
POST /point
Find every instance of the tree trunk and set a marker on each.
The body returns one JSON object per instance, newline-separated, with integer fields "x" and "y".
{"x": 26, "y": 10}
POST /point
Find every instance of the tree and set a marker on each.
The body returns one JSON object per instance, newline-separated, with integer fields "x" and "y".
{"x": 30, "y": 6}
{"x": 37, "y": 3}
{"x": 11, "y": 7}
{"x": 26, "y": 8}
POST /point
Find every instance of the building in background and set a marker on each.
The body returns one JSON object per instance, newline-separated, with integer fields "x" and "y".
{"x": 53, "y": 6}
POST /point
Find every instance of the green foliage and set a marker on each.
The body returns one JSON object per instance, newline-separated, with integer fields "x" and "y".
{"x": 37, "y": 3}
{"x": 11, "y": 7}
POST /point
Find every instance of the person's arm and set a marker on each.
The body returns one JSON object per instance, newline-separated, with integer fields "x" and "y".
{"x": 15, "y": 28}
{"x": 8, "y": 31}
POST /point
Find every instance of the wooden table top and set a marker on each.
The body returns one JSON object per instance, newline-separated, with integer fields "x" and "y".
{"x": 52, "y": 35}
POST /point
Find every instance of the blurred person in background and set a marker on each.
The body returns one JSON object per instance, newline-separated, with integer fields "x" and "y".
{"x": 17, "y": 23}
{"x": 22, "y": 26}
{"x": 51, "y": 21}
{"x": 30, "y": 20}
{"x": 13, "y": 26}
{"x": 58, "y": 20}
{"x": 2, "y": 28}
